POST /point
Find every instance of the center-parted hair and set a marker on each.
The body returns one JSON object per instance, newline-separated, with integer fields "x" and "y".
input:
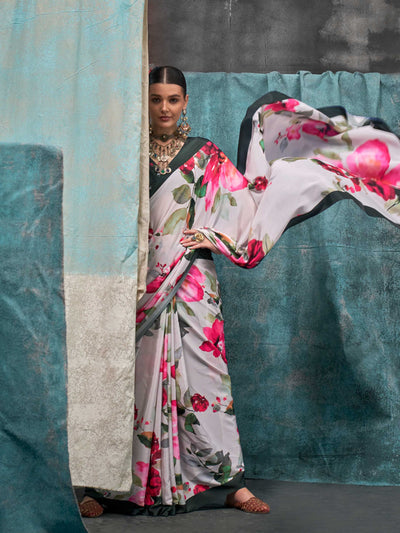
{"x": 168, "y": 75}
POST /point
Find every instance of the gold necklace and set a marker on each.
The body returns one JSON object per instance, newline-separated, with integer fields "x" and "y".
{"x": 163, "y": 154}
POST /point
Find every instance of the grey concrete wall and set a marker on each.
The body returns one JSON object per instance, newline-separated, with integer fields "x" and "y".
{"x": 282, "y": 35}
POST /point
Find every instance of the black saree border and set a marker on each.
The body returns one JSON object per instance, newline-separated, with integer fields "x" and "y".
{"x": 331, "y": 199}
{"x": 188, "y": 150}
{"x": 213, "y": 498}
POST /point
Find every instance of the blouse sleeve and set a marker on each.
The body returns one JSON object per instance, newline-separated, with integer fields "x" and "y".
{"x": 224, "y": 205}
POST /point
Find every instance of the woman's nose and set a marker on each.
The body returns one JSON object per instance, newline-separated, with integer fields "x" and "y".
{"x": 164, "y": 106}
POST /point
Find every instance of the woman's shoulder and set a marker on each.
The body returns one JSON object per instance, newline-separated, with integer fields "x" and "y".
{"x": 195, "y": 144}
{"x": 201, "y": 143}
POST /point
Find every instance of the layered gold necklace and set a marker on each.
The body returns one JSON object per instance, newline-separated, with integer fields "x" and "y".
{"x": 163, "y": 154}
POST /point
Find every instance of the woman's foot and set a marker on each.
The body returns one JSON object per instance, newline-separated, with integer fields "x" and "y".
{"x": 244, "y": 500}
{"x": 90, "y": 508}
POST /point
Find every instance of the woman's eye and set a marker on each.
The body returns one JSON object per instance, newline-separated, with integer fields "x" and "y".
{"x": 174, "y": 100}
{"x": 155, "y": 100}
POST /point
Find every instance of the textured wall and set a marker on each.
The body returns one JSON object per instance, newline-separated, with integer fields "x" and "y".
{"x": 282, "y": 35}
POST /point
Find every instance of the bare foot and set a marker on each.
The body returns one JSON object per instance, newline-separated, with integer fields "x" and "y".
{"x": 245, "y": 500}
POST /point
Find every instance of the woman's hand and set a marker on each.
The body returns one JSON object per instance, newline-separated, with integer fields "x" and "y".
{"x": 189, "y": 242}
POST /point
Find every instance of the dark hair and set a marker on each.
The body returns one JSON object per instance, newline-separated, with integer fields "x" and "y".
{"x": 168, "y": 75}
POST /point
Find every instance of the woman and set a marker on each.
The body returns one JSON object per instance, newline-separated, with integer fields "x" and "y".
{"x": 186, "y": 450}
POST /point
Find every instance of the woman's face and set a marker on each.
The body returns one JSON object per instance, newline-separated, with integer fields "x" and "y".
{"x": 166, "y": 101}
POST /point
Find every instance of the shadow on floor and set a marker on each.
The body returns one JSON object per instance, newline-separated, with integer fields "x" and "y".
{"x": 295, "y": 508}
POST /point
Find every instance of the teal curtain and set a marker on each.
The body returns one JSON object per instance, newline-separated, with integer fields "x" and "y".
{"x": 37, "y": 494}
{"x": 70, "y": 77}
{"x": 313, "y": 332}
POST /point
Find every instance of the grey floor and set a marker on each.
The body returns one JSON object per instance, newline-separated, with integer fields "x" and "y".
{"x": 295, "y": 508}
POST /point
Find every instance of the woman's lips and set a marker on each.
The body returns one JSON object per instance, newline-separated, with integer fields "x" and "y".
{"x": 165, "y": 119}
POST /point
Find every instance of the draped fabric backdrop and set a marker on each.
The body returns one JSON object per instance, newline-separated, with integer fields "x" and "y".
{"x": 71, "y": 76}
{"x": 313, "y": 332}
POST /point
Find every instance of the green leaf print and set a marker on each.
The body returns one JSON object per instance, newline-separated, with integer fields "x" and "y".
{"x": 200, "y": 189}
{"x": 190, "y": 214}
{"x": 189, "y": 176}
{"x": 217, "y": 200}
{"x": 144, "y": 439}
{"x": 190, "y": 421}
{"x": 231, "y": 199}
{"x": 230, "y": 410}
{"x": 136, "y": 480}
{"x": 226, "y": 382}
{"x": 210, "y": 318}
{"x": 267, "y": 243}
{"x": 188, "y": 310}
{"x": 202, "y": 160}
{"x": 172, "y": 221}
{"x": 182, "y": 194}
{"x": 262, "y": 145}
{"x": 213, "y": 461}
{"x": 393, "y": 207}
{"x": 187, "y": 399}
{"x": 224, "y": 470}
{"x": 330, "y": 155}
{"x": 204, "y": 452}
{"x": 346, "y": 138}
{"x": 290, "y": 159}
{"x": 213, "y": 282}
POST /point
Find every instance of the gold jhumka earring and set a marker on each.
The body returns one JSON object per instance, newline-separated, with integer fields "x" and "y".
{"x": 184, "y": 127}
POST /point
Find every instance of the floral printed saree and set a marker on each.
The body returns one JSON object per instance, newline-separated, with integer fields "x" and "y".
{"x": 297, "y": 161}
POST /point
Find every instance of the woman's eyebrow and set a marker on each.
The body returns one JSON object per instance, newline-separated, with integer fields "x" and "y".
{"x": 169, "y": 96}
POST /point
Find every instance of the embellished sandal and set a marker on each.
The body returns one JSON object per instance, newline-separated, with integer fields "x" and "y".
{"x": 252, "y": 505}
{"x": 90, "y": 508}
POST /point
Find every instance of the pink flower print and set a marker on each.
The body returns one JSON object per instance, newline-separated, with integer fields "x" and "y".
{"x": 140, "y": 315}
{"x": 142, "y": 471}
{"x": 208, "y": 148}
{"x": 174, "y": 416}
{"x": 200, "y": 488}
{"x": 370, "y": 161}
{"x": 155, "y": 451}
{"x": 293, "y": 132}
{"x": 187, "y": 167}
{"x": 156, "y": 283}
{"x": 339, "y": 170}
{"x": 221, "y": 172}
{"x": 175, "y": 445}
{"x": 175, "y": 439}
{"x": 153, "y": 487}
{"x": 284, "y": 105}
{"x": 199, "y": 402}
{"x": 255, "y": 255}
{"x": 164, "y": 397}
{"x": 192, "y": 289}
{"x": 260, "y": 183}
{"x": 215, "y": 342}
{"x": 319, "y": 128}
{"x": 165, "y": 270}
